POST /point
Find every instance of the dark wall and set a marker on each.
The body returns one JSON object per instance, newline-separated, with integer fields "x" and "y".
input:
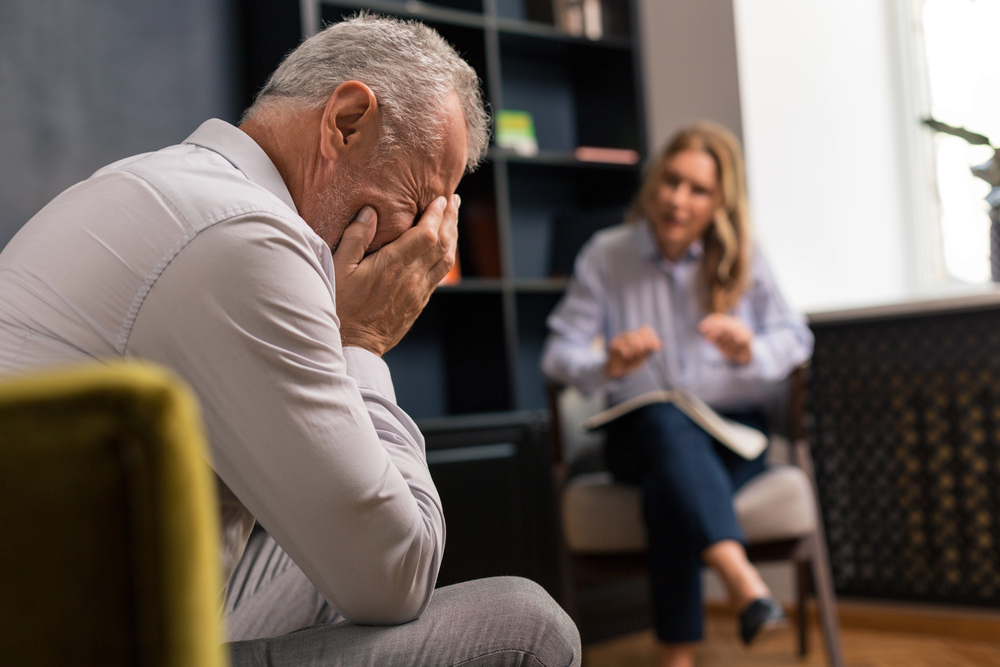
{"x": 83, "y": 84}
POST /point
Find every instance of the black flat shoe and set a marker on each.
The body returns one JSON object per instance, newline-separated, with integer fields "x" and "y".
{"x": 761, "y": 614}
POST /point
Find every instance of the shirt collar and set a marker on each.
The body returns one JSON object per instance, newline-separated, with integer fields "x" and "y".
{"x": 649, "y": 247}
{"x": 243, "y": 153}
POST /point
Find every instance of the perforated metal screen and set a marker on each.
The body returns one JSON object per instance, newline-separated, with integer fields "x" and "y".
{"x": 904, "y": 419}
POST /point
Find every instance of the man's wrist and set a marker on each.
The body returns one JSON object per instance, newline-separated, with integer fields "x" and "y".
{"x": 367, "y": 343}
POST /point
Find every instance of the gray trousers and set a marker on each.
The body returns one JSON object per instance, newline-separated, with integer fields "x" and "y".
{"x": 277, "y": 617}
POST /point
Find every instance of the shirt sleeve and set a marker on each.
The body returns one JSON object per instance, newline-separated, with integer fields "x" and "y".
{"x": 307, "y": 434}
{"x": 782, "y": 339}
{"x": 569, "y": 355}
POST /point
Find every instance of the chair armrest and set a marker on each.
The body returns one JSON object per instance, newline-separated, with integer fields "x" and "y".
{"x": 552, "y": 390}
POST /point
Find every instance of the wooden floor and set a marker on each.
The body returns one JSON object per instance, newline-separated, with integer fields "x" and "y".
{"x": 862, "y": 648}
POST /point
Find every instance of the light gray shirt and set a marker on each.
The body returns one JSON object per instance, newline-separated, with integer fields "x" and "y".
{"x": 195, "y": 257}
{"x": 622, "y": 281}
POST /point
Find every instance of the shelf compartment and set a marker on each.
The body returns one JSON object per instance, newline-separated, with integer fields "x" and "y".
{"x": 555, "y": 209}
{"x": 536, "y": 11}
{"x": 454, "y": 359}
{"x": 478, "y": 240}
{"x": 532, "y": 309}
{"x": 455, "y": 12}
{"x": 538, "y": 17}
{"x": 417, "y": 365}
{"x": 579, "y": 93}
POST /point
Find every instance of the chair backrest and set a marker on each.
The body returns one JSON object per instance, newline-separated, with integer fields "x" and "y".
{"x": 571, "y": 409}
{"x": 109, "y": 537}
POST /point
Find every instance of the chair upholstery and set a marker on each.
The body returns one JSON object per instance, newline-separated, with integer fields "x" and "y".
{"x": 110, "y": 538}
{"x": 600, "y": 515}
{"x": 778, "y": 504}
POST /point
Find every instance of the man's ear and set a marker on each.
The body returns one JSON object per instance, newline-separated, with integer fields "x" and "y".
{"x": 350, "y": 121}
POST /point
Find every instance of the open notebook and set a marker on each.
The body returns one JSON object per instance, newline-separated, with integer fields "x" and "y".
{"x": 746, "y": 441}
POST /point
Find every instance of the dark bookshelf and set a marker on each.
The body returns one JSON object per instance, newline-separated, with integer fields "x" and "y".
{"x": 476, "y": 347}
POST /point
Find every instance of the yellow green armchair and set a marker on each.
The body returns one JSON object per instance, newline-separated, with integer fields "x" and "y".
{"x": 109, "y": 537}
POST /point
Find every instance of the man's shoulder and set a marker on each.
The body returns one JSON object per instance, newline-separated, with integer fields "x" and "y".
{"x": 195, "y": 184}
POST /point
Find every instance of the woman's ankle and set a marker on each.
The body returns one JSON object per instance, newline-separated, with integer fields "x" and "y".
{"x": 742, "y": 579}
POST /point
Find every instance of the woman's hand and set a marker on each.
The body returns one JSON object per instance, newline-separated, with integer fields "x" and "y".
{"x": 629, "y": 350}
{"x": 730, "y": 335}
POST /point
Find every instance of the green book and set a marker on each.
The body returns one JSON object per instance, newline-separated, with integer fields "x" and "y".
{"x": 516, "y": 131}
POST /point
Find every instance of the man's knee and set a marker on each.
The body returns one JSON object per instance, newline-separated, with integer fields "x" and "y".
{"x": 522, "y": 618}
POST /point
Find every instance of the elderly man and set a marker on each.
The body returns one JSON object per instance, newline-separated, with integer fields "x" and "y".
{"x": 271, "y": 266}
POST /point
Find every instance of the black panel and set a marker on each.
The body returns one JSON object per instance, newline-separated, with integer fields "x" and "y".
{"x": 493, "y": 473}
{"x": 475, "y": 352}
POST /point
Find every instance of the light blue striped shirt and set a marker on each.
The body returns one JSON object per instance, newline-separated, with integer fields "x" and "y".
{"x": 622, "y": 281}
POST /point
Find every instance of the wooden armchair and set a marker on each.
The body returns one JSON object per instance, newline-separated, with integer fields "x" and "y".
{"x": 604, "y": 539}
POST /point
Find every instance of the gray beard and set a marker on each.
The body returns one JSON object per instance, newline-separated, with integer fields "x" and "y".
{"x": 332, "y": 211}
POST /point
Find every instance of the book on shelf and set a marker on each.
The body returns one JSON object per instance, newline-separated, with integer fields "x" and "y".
{"x": 516, "y": 131}
{"x": 454, "y": 275}
{"x": 608, "y": 155}
{"x": 746, "y": 441}
{"x": 478, "y": 239}
{"x": 579, "y": 17}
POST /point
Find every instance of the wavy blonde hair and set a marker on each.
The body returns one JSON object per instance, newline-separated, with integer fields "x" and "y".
{"x": 725, "y": 265}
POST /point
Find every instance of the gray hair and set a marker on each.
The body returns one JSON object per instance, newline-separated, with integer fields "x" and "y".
{"x": 409, "y": 67}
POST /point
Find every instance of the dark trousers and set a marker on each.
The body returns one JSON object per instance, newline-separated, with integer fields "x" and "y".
{"x": 688, "y": 480}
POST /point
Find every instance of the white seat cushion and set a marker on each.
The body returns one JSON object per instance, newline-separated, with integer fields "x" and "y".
{"x": 602, "y": 516}
{"x": 778, "y": 504}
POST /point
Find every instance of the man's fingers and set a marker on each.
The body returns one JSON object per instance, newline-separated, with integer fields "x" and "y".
{"x": 448, "y": 233}
{"x": 357, "y": 237}
{"x": 447, "y": 241}
{"x": 424, "y": 236}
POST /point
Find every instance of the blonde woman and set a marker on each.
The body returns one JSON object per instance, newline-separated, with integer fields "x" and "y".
{"x": 684, "y": 301}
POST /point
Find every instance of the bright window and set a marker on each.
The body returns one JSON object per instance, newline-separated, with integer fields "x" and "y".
{"x": 963, "y": 76}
